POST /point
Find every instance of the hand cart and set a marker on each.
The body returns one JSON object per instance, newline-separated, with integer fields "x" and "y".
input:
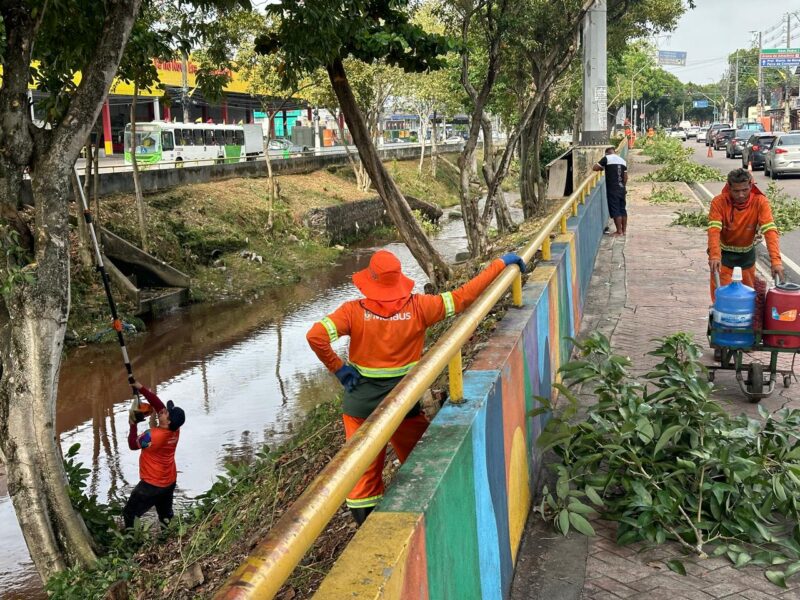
{"x": 732, "y": 359}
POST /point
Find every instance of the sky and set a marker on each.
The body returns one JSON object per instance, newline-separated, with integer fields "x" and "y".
{"x": 710, "y": 32}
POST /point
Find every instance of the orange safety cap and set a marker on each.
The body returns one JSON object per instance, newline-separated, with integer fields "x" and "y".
{"x": 383, "y": 279}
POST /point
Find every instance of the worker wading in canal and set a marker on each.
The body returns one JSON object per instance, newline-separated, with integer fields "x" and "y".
{"x": 737, "y": 215}
{"x": 387, "y": 334}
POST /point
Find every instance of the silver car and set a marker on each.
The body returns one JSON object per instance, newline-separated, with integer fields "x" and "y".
{"x": 784, "y": 156}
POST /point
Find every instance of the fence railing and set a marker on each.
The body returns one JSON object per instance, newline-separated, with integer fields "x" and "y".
{"x": 272, "y": 561}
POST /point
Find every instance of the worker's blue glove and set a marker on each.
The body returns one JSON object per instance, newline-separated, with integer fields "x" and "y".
{"x": 512, "y": 258}
{"x": 348, "y": 377}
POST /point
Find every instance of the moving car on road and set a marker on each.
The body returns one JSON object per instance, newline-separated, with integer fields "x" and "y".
{"x": 702, "y": 134}
{"x": 783, "y": 157}
{"x": 677, "y": 132}
{"x": 721, "y": 138}
{"x": 713, "y": 130}
{"x": 692, "y": 131}
{"x": 284, "y": 147}
{"x": 735, "y": 144}
{"x": 755, "y": 149}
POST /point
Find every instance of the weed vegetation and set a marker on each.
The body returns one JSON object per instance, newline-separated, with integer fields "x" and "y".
{"x": 667, "y": 194}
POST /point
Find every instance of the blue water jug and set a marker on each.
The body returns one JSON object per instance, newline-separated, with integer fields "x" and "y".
{"x": 734, "y": 308}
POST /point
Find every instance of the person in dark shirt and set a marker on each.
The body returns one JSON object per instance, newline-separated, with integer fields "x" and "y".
{"x": 616, "y": 170}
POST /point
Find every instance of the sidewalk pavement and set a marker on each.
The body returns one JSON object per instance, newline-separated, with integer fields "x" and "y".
{"x": 652, "y": 283}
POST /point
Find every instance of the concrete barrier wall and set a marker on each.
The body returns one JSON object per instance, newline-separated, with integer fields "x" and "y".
{"x": 451, "y": 522}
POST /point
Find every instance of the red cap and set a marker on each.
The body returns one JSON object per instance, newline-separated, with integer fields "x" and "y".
{"x": 383, "y": 279}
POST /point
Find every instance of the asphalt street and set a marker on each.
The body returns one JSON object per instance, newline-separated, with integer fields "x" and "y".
{"x": 790, "y": 241}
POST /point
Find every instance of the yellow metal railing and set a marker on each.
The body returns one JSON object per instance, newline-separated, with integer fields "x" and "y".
{"x": 263, "y": 572}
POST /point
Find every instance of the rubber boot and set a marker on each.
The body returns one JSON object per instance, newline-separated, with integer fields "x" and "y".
{"x": 360, "y": 514}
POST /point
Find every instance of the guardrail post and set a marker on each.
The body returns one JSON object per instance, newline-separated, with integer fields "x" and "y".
{"x": 456, "y": 378}
{"x": 546, "y": 249}
{"x": 516, "y": 290}
{"x": 575, "y": 207}
{"x": 564, "y": 223}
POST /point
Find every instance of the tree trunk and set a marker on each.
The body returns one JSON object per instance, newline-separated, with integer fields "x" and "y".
{"x": 527, "y": 193}
{"x": 84, "y": 251}
{"x": 362, "y": 179}
{"x": 412, "y": 234}
{"x": 137, "y": 186}
{"x": 533, "y": 185}
{"x": 434, "y": 147}
{"x": 33, "y": 334}
{"x": 33, "y": 313}
{"x": 496, "y": 201}
{"x": 271, "y": 188}
{"x": 96, "y": 182}
{"x": 423, "y": 130}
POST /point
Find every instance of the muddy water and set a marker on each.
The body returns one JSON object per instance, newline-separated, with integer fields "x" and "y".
{"x": 243, "y": 373}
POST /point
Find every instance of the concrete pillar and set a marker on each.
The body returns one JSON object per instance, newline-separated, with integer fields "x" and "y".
{"x": 583, "y": 159}
{"x": 106, "y": 113}
{"x": 225, "y": 112}
{"x": 595, "y": 86}
{"x": 156, "y": 109}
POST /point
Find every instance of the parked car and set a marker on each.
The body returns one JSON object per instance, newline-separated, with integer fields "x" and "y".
{"x": 783, "y": 158}
{"x": 701, "y": 134}
{"x": 754, "y": 126}
{"x": 735, "y": 144}
{"x": 712, "y": 132}
{"x": 677, "y": 132}
{"x": 692, "y": 132}
{"x": 721, "y": 138}
{"x": 284, "y": 147}
{"x": 755, "y": 149}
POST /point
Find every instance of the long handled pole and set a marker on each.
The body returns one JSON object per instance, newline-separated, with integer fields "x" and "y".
{"x": 116, "y": 322}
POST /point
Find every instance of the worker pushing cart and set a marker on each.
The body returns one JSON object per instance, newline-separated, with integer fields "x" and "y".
{"x": 737, "y": 215}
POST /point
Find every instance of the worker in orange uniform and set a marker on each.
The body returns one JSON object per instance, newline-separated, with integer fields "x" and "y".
{"x": 387, "y": 333}
{"x": 629, "y": 136}
{"x": 737, "y": 214}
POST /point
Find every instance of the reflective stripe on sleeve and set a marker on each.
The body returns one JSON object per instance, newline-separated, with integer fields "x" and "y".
{"x": 330, "y": 327}
{"x": 715, "y": 225}
{"x": 768, "y": 227}
{"x": 384, "y": 372}
{"x": 449, "y": 304}
{"x": 363, "y": 502}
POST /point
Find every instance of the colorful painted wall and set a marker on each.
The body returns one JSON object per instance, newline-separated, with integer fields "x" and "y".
{"x": 450, "y": 525}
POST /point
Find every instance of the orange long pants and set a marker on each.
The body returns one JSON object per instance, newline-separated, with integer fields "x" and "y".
{"x": 725, "y": 275}
{"x": 369, "y": 489}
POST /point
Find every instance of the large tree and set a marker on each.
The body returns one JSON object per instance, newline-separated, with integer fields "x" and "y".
{"x": 49, "y": 43}
{"x": 370, "y": 31}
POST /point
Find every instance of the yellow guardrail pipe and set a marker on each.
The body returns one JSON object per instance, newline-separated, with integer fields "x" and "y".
{"x": 269, "y": 565}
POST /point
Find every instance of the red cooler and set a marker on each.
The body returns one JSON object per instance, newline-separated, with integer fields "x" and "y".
{"x": 782, "y": 313}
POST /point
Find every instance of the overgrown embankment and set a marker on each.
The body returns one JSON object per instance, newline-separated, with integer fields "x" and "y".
{"x": 204, "y": 229}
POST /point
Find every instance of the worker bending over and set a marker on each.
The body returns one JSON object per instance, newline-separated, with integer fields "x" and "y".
{"x": 387, "y": 334}
{"x": 157, "y": 470}
{"x": 737, "y": 215}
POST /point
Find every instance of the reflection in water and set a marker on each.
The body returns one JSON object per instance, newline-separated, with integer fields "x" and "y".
{"x": 243, "y": 373}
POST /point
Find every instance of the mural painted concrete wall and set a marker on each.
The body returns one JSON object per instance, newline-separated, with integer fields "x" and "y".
{"x": 450, "y": 525}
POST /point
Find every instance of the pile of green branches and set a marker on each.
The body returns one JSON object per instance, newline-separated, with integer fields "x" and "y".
{"x": 666, "y": 462}
{"x": 667, "y": 194}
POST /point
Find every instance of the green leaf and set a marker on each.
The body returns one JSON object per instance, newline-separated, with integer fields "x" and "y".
{"x": 645, "y": 429}
{"x": 776, "y": 577}
{"x": 563, "y": 521}
{"x": 645, "y": 496}
{"x": 742, "y": 559}
{"x": 720, "y": 550}
{"x": 669, "y": 432}
{"x": 581, "y": 524}
{"x": 792, "y": 569}
{"x": 579, "y": 507}
{"x": 538, "y": 411}
{"x": 592, "y": 494}
{"x": 676, "y": 566}
{"x": 562, "y": 487}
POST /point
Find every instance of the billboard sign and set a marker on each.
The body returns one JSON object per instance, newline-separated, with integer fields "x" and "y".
{"x": 780, "y": 58}
{"x": 670, "y": 57}
{"x": 700, "y": 103}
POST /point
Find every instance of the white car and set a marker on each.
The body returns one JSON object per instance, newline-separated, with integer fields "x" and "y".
{"x": 702, "y": 134}
{"x": 691, "y": 132}
{"x": 677, "y": 132}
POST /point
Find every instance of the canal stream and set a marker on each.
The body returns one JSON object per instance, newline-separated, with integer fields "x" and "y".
{"x": 243, "y": 373}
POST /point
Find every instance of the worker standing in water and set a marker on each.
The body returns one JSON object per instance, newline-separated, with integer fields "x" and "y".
{"x": 737, "y": 215}
{"x": 387, "y": 334}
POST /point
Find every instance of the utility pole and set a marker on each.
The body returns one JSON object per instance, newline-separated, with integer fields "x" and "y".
{"x": 760, "y": 81}
{"x": 185, "y": 86}
{"x": 736, "y": 93}
{"x": 595, "y": 83}
{"x": 786, "y": 108}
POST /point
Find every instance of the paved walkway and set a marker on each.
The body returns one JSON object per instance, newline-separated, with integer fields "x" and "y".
{"x": 650, "y": 284}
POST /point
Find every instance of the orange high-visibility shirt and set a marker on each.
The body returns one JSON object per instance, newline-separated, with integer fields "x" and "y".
{"x": 389, "y": 345}
{"x": 734, "y": 229}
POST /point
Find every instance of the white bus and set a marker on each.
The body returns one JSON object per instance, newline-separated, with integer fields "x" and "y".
{"x": 161, "y": 142}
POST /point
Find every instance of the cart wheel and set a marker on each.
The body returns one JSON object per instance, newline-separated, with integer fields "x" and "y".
{"x": 787, "y": 381}
{"x": 756, "y": 374}
{"x": 711, "y": 375}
